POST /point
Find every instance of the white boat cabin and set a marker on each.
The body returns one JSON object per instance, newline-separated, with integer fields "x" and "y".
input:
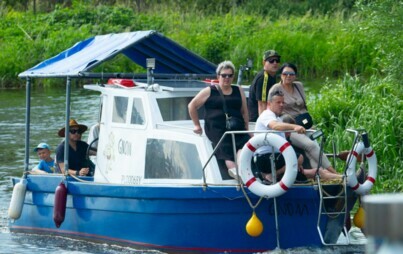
{"x": 146, "y": 136}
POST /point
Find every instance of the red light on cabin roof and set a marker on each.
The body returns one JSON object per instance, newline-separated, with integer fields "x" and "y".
{"x": 211, "y": 81}
{"x": 121, "y": 82}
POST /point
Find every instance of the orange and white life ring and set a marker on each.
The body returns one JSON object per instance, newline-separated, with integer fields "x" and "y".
{"x": 364, "y": 188}
{"x": 291, "y": 165}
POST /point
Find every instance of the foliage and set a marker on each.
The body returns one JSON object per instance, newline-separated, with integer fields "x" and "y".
{"x": 272, "y": 8}
{"x": 383, "y": 26}
{"x": 321, "y": 45}
{"x": 375, "y": 105}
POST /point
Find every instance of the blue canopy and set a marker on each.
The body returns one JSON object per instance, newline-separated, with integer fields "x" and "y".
{"x": 170, "y": 57}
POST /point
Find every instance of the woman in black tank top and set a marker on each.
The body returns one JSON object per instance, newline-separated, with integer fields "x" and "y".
{"x": 214, "y": 118}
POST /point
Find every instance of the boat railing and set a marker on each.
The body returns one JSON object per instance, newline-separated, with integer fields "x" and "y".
{"x": 233, "y": 134}
{"x": 359, "y": 133}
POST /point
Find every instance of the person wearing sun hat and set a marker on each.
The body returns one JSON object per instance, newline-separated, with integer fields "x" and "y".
{"x": 261, "y": 84}
{"x": 78, "y": 163}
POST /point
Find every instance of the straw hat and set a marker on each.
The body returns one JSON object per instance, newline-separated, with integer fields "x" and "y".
{"x": 73, "y": 123}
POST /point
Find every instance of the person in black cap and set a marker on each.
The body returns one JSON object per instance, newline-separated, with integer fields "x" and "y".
{"x": 262, "y": 83}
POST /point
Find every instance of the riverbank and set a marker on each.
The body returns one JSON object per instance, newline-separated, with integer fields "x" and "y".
{"x": 320, "y": 44}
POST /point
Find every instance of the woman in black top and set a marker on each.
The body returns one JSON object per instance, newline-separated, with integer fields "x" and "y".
{"x": 214, "y": 119}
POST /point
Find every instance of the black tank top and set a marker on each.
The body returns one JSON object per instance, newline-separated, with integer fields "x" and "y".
{"x": 214, "y": 119}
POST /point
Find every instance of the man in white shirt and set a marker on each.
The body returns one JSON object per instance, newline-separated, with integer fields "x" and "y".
{"x": 270, "y": 120}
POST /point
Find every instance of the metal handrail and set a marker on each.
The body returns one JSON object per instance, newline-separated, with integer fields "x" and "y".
{"x": 357, "y": 134}
{"x": 233, "y": 133}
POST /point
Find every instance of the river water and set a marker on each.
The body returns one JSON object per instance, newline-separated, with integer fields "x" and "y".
{"x": 47, "y": 117}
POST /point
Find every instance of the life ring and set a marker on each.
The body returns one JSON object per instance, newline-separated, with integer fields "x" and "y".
{"x": 291, "y": 165}
{"x": 364, "y": 188}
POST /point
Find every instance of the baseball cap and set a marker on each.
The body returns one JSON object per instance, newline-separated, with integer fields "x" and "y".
{"x": 270, "y": 53}
{"x": 42, "y": 146}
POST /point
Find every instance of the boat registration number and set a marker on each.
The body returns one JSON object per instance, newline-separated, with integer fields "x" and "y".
{"x": 128, "y": 179}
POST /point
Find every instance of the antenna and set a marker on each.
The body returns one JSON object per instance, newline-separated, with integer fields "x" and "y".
{"x": 242, "y": 68}
{"x": 150, "y": 63}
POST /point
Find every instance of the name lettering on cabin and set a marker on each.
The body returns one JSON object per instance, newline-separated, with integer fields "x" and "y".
{"x": 124, "y": 147}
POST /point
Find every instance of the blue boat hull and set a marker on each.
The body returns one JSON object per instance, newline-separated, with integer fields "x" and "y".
{"x": 174, "y": 219}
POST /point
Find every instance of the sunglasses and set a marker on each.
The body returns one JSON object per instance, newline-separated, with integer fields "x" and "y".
{"x": 75, "y": 132}
{"x": 288, "y": 73}
{"x": 276, "y": 93}
{"x": 273, "y": 60}
{"x": 226, "y": 75}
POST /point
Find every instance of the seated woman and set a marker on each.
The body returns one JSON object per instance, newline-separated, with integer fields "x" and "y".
{"x": 78, "y": 163}
{"x": 215, "y": 119}
{"x": 294, "y": 104}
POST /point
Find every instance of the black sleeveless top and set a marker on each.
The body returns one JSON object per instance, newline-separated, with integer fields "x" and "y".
{"x": 214, "y": 119}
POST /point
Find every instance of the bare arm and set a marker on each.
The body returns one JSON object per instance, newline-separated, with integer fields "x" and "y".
{"x": 279, "y": 126}
{"x": 82, "y": 172}
{"x": 194, "y": 105}
{"x": 36, "y": 170}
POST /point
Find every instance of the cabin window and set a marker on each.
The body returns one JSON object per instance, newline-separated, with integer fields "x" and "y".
{"x": 173, "y": 109}
{"x": 119, "y": 109}
{"x": 137, "y": 112}
{"x": 171, "y": 159}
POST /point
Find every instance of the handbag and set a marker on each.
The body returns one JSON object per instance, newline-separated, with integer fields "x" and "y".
{"x": 304, "y": 119}
{"x": 231, "y": 123}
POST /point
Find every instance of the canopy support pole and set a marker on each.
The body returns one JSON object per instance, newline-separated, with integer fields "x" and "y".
{"x": 67, "y": 127}
{"x": 27, "y": 122}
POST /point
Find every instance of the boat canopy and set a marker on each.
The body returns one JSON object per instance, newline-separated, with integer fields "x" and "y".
{"x": 170, "y": 57}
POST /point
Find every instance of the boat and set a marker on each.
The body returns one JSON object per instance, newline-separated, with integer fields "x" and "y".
{"x": 156, "y": 184}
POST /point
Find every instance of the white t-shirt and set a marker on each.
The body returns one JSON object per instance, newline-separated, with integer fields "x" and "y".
{"x": 93, "y": 134}
{"x": 262, "y": 124}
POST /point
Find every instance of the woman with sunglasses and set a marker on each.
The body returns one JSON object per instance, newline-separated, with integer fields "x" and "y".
{"x": 294, "y": 105}
{"x": 78, "y": 163}
{"x": 215, "y": 118}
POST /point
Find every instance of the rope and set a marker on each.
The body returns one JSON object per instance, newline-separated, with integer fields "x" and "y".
{"x": 338, "y": 196}
{"x": 248, "y": 199}
{"x": 78, "y": 179}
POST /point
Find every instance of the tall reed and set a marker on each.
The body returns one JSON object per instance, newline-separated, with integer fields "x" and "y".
{"x": 375, "y": 105}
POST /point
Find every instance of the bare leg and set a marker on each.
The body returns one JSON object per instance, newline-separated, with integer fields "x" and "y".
{"x": 332, "y": 170}
{"x": 323, "y": 173}
{"x": 231, "y": 166}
